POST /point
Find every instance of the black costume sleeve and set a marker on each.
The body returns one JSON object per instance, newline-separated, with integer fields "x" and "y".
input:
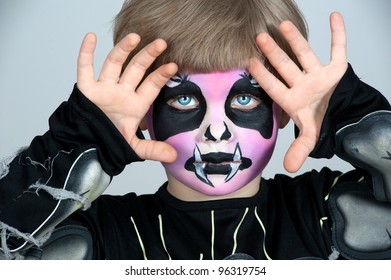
{"x": 60, "y": 172}
{"x": 350, "y": 102}
{"x": 357, "y": 128}
{"x": 80, "y": 123}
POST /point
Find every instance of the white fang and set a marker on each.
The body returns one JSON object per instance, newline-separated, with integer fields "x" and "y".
{"x": 200, "y": 166}
{"x": 236, "y": 164}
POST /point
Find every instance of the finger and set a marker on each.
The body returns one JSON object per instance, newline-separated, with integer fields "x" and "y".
{"x": 270, "y": 83}
{"x": 154, "y": 150}
{"x": 300, "y": 46}
{"x": 284, "y": 65}
{"x": 298, "y": 152}
{"x": 112, "y": 67}
{"x": 85, "y": 61}
{"x": 338, "y": 38}
{"x": 139, "y": 64}
{"x": 152, "y": 85}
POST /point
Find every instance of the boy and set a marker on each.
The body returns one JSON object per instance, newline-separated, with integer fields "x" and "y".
{"x": 212, "y": 98}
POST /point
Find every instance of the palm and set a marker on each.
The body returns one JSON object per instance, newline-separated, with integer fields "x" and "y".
{"x": 305, "y": 94}
{"x": 123, "y": 97}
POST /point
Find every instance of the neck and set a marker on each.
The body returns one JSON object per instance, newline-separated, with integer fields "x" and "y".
{"x": 185, "y": 193}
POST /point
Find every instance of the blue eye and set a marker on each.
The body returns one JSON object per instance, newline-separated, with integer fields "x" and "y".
{"x": 245, "y": 102}
{"x": 243, "y": 99}
{"x": 184, "y": 102}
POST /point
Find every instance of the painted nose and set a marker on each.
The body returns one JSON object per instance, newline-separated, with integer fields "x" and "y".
{"x": 217, "y": 135}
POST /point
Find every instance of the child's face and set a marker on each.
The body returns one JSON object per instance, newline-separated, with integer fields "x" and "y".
{"x": 223, "y": 126}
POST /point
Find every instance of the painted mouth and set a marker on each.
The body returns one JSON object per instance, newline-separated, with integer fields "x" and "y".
{"x": 217, "y": 163}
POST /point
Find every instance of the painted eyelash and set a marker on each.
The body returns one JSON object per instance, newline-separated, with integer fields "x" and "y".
{"x": 177, "y": 80}
{"x": 251, "y": 79}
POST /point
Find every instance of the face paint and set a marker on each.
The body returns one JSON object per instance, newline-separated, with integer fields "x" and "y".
{"x": 223, "y": 126}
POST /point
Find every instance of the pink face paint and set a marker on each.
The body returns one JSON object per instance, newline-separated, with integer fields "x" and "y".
{"x": 224, "y": 130}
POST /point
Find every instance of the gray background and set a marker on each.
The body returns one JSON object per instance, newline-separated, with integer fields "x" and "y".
{"x": 40, "y": 39}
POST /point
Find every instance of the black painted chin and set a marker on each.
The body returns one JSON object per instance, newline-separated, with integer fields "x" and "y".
{"x": 217, "y": 164}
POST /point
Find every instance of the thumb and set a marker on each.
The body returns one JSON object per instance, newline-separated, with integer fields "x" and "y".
{"x": 154, "y": 150}
{"x": 299, "y": 151}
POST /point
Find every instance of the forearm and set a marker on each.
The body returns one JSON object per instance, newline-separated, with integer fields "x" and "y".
{"x": 361, "y": 209}
{"x": 61, "y": 171}
{"x": 351, "y": 101}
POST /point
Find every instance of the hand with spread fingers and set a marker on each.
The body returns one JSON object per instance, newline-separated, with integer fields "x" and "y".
{"x": 123, "y": 97}
{"x": 304, "y": 95}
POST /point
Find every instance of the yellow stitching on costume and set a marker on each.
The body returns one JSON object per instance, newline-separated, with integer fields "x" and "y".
{"x": 264, "y": 234}
{"x": 332, "y": 186}
{"x": 162, "y": 235}
{"x": 322, "y": 222}
{"x": 139, "y": 238}
{"x": 236, "y": 231}
{"x": 213, "y": 234}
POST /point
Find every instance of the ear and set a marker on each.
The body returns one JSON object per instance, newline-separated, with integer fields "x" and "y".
{"x": 143, "y": 124}
{"x": 284, "y": 119}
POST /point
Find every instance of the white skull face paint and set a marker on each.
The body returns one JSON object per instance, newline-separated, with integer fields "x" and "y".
{"x": 223, "y": 126}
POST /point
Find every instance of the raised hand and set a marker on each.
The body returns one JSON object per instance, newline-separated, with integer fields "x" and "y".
{"x": 124, "y": 98}
{"x": 306, "y": 93}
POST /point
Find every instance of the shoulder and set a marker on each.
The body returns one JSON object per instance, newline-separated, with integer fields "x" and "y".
{"x": 126, "y": 201}
{"x": 321, "y": 180}
{"x": 310, "y": 188}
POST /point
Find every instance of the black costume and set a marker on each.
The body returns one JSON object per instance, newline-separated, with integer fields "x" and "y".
{"x": 290, "y": 218}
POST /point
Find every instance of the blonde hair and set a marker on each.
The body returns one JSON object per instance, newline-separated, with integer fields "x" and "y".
{"x": 207, "y": 35}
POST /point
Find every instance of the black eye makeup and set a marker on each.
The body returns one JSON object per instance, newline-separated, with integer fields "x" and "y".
{"x": 249, "y": 106}
{"x": 180, "y": 107}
